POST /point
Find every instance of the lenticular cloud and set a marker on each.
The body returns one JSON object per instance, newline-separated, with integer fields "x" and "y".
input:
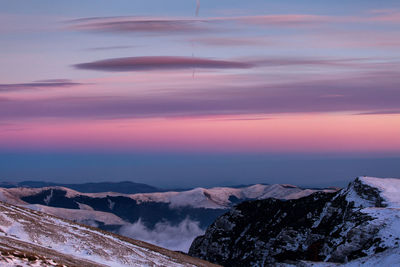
{"x": 161, "y": 63}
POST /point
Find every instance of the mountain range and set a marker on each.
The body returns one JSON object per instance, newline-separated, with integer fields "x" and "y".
{"x": 256, "y": 225}
{"x": 185, "y": 214}
{"x": 125, "y": 187}
{"x": 199, "y": 204}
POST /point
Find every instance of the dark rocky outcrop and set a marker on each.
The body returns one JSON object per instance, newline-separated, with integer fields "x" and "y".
{"x": 321, "y": 227}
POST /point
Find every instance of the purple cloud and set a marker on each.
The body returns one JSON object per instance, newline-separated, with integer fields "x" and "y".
{"x": 381, "y": 112}
{"x": 371, "y": 92}
{"x": 116, "y": 47}
{"x": 174, "y": 63}
{"x": 159, "y": 25}
{"x": 139, "y": 24}
{"x": 284, "y": 19}
{"x": 160, "y": 63}
{"x": 231, "y": 41}
{"x": 53, "y": 83}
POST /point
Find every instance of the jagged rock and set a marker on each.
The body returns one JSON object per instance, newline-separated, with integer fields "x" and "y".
{"x": 334, "y": 227}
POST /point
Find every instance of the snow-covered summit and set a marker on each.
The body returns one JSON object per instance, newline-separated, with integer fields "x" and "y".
{"x": 389, "y": 189}
{"x": 208, "y": 198}
{"x": 366, "y": 192}
{"x": 360, "y": 224}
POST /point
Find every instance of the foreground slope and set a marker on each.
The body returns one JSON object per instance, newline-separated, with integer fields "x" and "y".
{"x": 360, "y": 225}
{"x": 32, "y": 238}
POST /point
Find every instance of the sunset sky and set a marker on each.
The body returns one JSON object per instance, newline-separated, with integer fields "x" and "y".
{"x": 186, "y": 93}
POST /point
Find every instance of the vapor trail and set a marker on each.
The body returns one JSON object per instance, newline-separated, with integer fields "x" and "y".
{"x": 197, "y": 7}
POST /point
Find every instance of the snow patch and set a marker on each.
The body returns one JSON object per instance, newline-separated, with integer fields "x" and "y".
{"x": 389, "y": 188}
{"x": 82, "y": 215}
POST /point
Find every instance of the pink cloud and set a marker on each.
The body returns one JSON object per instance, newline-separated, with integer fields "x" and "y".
{"x": 160, "y": 63}
{"x": 369, "y": 92}
{"x": 174, "y": 63}
{"x": 283, "y": 19}
{"x": 385, "y": 15}
{"x": 233, "y": 41}
{"x": 188, "y": 25}
{"x": 196, "y": 25}
{"x": 139, "y": 24}
{"x": 53, "y": 83}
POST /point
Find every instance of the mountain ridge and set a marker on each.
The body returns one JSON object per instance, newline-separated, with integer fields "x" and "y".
{"x": 125, "y": 187}
{"x": 356, "y": 222}
{"x": 146, "y": 215}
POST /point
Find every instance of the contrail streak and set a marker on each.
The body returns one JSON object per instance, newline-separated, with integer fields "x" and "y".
{"x": 197, "y": 7}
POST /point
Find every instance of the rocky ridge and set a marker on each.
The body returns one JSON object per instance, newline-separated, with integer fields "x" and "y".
{"x": 356, "y": 222}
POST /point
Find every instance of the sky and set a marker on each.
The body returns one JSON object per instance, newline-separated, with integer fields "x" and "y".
{"x": 199, "y": 93}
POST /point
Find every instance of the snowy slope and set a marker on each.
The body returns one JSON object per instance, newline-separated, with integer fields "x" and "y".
{"x": 79, "y": 215}
{"x": 11, "y": 196}
{"x": 386, "y": 218}
{"x": 389, "y": 189}
{"x": 357, "y": 226}
{"x": 390, "y": 258}
{"x": 219, "y": 197}
{"x": 48, "y": 238}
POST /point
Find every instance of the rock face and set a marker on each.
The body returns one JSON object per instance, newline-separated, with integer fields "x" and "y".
{"x": 355, "y": 222}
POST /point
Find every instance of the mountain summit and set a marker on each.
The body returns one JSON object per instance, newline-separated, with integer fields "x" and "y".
{"x": 356, "y": 225}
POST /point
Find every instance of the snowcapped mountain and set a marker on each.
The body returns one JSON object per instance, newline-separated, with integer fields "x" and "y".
{"x": 212, "y": 198}
{"x": 32, "y": 238}
{"x": 147, "y": 216}
{"x": 120, "y": 187}
{"x": 357, "y": 226}
{"x": 199, "y": 204}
